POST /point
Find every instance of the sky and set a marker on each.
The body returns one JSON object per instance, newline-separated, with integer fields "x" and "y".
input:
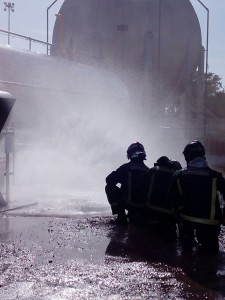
{"x": 30, "y": 19}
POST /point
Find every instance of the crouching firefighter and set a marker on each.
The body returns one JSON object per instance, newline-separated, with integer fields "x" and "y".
{"x": 160, "y": 215}
{"x": 194, "y": 194}
{"x": 126, "y": 188}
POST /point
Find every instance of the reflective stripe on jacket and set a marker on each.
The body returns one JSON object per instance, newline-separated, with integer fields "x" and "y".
{"x": 133, "y": 178}
{"x": 195, "y": 195}
{"x": 160, "y": 179}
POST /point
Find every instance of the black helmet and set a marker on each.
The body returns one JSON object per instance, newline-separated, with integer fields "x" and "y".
{"x": 193, "y": 149}
{"x": 163, "y": 161}
{"x": 176, "y": 164}
{"x": 136, "y": 150}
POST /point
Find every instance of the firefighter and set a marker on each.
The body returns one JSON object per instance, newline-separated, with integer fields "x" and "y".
{"x": 126, "y": 188}
{"x": 194, "y": 194}
{"x": 160, "y": 215}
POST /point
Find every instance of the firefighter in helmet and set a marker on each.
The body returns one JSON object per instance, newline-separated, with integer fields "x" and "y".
{"x": 194, "y": 194}
{"x": 126, "y": 188}
{"x": 160, "y": 215}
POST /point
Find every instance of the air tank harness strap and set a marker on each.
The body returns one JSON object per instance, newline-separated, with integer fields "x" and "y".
{"x": 199, "y": 220}
{"x": 152, "y": 181}
{"x": 161, "y": 209}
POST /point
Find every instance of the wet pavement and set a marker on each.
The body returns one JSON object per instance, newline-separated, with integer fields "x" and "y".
{"x": 86, "y": 257}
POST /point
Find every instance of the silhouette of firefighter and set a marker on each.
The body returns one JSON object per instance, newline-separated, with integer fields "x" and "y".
{"x": 194, "y": 194}
{"x": 160, "y": 214}
{"x": 127, "y": 187}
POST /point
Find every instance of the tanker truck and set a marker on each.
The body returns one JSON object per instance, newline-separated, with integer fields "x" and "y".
{"x": 154, "y": 46}
{"x": 148, "y": 51}
{"x": 119, "y": 71}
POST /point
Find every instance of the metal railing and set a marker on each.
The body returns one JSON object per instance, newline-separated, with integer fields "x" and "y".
{"x": 7, "y": 161}
{"x": 30, "y": 40}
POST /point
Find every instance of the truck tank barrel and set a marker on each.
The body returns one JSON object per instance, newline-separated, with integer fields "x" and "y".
{"x": 159, "y": 41}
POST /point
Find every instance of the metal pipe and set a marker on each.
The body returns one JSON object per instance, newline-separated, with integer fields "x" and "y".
{"x": 10, "y": 7}
{"x": 159, "y": 39}
{"x": 7, "y": 176}
{"x": 29, "y": 44}
{"x": 159, "y": 56}
{"x": 48, "y": 21}
{"x": 8, "y": 26}
{"x": 207, "y": 38}
{"x": 206, "y": 67}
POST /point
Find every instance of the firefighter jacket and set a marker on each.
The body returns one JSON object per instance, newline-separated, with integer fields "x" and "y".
{"x": 133, "y": 178}
{"x": 194, "y": 194}
{"x": 160, "y": 179}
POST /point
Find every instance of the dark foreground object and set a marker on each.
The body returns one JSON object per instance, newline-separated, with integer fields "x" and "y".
{"x": 88, "y": 258}
{"x": 6, "y": 103}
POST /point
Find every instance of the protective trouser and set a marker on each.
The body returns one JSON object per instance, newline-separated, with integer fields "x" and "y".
{"x": 206, "y": 235}
{"x": 116, "y": 199}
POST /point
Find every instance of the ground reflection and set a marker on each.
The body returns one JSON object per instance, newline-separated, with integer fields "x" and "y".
{"x": 136, "y": 244}
{"x": 88, "y": 258}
